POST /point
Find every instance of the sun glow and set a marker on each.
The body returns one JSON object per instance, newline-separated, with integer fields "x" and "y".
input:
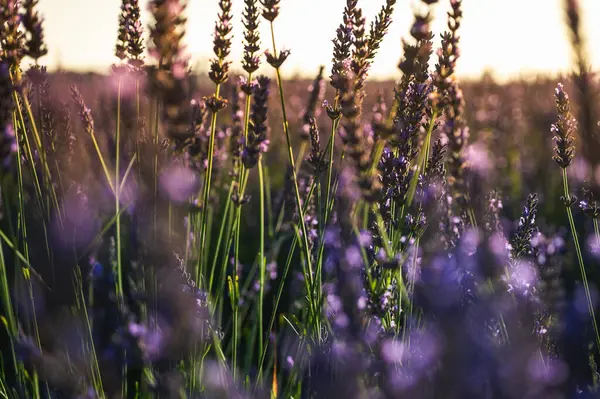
{"x": 508, "y": 37}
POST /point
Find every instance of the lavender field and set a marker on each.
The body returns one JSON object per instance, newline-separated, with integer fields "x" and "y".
{"x": 171, "y": 233}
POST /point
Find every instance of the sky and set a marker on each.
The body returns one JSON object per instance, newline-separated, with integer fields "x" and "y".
{"x": 511, "y": 38}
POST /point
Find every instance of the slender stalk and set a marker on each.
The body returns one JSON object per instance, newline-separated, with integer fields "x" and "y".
{"x": 21, "y": 194}
{"x": 155, "y": 167}
{"x": 422, "y": 160}
{"x": 206, "y": 196}
{"x": 8, "y": 308}
{"x": 291, "y": 160}
{"x": 22, "y": 233}
{"x": 233, "y": 236}
{"x": 117, "y": 196}
{"x": 261, "y": 260}
{"x": 330, "y": 146}
{"x": 127, "y": 171}
{"x": 580, "y": 257}
{"x": 95, "y": 372}
{"x": 243, "y": 176}
{"x": 286, "y": 271}
{"x": 269, "y": 203}
{"x": 40, "y": 150}
{"x": 224, "y": 221}
{"x": 300, "y": 156}
{"x": 29, "y": 155}
{"x": 234, "y": 294}
{"x": 137, "y": 116}
{"x": 102, "y": 162}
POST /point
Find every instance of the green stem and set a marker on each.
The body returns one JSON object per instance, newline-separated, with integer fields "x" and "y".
{"x": 242, "y": 181}
{"x": 580, "y": 257}
{"x": 224, "y": 221}
{"x": 117, "y": 197}
{"x": 39, "y": 146}
{"x": 422, "y": 160}
{"x": 261, "y": 260}
{"x": 243, "y": 177}
{"x": 29, "y": 156}
{"x": 234, "y": 294}
{"x": 286, "y": 271}
{"x": 206, "y": 196}
{"x": 234, "y": 235}
{"x": 331, "y": 146}
{"x": 291, "y": 160}
{"x": 10, "y": 319}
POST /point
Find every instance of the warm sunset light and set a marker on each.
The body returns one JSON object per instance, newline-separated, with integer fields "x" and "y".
{"x": 299, "y": 199}
{"x": 510, "y": 37}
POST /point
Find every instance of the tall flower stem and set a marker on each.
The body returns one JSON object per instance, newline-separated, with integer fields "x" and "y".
{"x": 286, "y": 269}
{"x": 584, "y": 279}
{"x": 226, "y": 220}
{"x": 292, "y": 164}
{"x": 206, "y": 195}
{"x": 41, "y": 151}
{"x": 261, "y": 259}
{"x": 422, "y": 160}
{"x": 330, "y": 148}
{"x": 155, "y": 166}
{"x": 10, "y": 318}
{"x": 117, "y": 196}
{"x": 243, "y": 179}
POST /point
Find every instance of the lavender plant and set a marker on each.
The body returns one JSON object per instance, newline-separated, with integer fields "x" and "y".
{"x": 154, "y": 244}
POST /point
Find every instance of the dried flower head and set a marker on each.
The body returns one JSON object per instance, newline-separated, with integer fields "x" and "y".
{"x": 167, "y": 31}
{"x": 420, "y": 28}
{"x": 457, "y": 134}
{"x": 342, "y": 44}
{"x": 333, "y": 111}
{"x": 32, "y": 22}
{"x": 448, "y": 54}
{"x": 215, "y": 104}
{"x": 196, "y": 147}
{"x": 583, "y": 82}
{"x": 135, "y": 33}
{"x": 257, "y": 142}
{"x": 354, "y": 139}
{"x": 563, "y": 129}
{"x": 270, "y": 9}
{"x": 521, "y": 242}
{"x": 277, "y": 60}
{"x": 312, "y": 110}
{"x": 122, "y": 33}
{"x": 379, "y": 27}
{"x": 219, "y": 66}
{"x": 251, "y": 60}
{"x": 359, "y": 63}
{"x": 84, "y": 112}
{"x": 435, "y": 166}
{"x": 315, "y": 158}
{"x": 170, "y": 77}
{"x": 11, "y": 37}
{"x": 236, "y": 137}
